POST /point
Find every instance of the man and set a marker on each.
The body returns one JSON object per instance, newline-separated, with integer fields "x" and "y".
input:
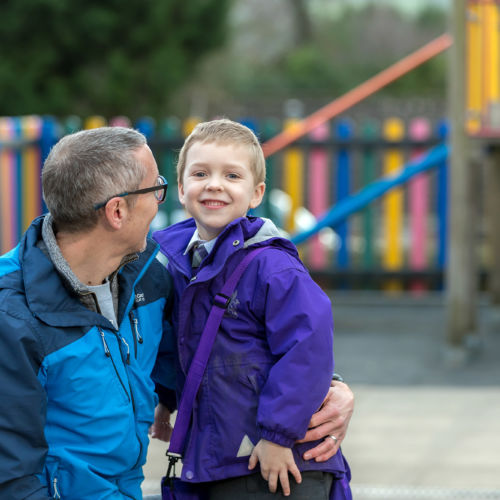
{"x": 83, "y": 302}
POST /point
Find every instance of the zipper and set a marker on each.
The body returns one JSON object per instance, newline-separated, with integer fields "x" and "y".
{"x": 108, "y": 354}
{"x": 104, "y": 343}
{"x": 56, "y": 491}
{"x": 128, "y": 350}
{"x": 129, "y": 393}
{"x": 132, "y": 400}
{"x": 137, "y": 335}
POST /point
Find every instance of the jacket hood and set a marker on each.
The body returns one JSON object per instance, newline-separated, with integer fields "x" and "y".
{"x": 243, "y": 232}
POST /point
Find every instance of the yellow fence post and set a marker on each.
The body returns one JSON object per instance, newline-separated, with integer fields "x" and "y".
{"x": 94, "y": 122}
{"x": 293, "y": 175}
{"x": 189, "y": 124}
{"x": 393, "y": 131}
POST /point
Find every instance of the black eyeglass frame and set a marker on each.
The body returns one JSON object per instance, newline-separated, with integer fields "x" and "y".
{"x": 158, "y": 187}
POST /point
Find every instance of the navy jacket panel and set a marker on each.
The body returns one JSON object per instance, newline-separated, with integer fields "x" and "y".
{"x": 77, "y": 394}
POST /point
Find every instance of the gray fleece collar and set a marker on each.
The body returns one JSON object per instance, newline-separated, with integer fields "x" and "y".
{"x": 60, "y": 263}
{"x": 267, "y": 231}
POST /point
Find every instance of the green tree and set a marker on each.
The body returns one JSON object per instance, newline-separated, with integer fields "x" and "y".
{"x": 102, "y": 56}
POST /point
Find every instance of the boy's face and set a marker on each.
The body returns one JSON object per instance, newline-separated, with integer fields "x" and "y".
{"x": 218, "y": 186}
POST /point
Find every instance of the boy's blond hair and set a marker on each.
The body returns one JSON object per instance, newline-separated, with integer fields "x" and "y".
{"x": 225, "y": 132}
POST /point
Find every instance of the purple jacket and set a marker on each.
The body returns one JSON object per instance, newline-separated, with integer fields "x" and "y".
{"x": 271, "y": 364}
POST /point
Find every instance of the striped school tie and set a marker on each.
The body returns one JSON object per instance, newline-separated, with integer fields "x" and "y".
{"x": 199, "y": 253}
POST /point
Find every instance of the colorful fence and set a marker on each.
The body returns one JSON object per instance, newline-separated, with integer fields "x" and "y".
{"x": 403, "y": 235}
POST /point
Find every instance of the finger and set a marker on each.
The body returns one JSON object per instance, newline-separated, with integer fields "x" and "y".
{"x": 328, "y": 412}
{"x": 323, "y": 451}
{"x": 273, "y": 481}
{"x": 319, "y": 432}
{"x": 285, "y": 484}
{"x": 295, "y": 472}
{"x": 252, "y": 462}
{"x": 165, "y": 435}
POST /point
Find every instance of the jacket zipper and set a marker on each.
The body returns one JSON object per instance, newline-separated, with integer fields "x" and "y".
{"x": 130, "y": 394}
{"x": 137, "y": 336}
{"x": 108, "y": 354}
{"x": 128, "y": 350}
{"x": 131, "y": 399}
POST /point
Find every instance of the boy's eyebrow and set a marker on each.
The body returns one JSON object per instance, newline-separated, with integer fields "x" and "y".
{"x": 226, "y": 165}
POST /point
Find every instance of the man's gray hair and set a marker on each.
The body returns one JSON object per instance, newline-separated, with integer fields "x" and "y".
{"x": 87, "y": 168}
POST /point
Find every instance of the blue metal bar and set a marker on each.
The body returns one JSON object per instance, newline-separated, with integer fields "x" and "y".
{"x": 355, "y": 202}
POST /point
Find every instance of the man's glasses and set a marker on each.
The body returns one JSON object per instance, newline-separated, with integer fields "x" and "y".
{"x": 160, "y": 191}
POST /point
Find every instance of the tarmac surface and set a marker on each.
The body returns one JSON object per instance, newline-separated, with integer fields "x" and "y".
{"x": 427, "y": 418}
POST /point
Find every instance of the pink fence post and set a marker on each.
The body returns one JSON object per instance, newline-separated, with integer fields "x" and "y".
{"x": 8, "y": 187}
{"x": 318, "y": 190}
{"x": 120, "y": 121}
{"x": 418, "y": 193}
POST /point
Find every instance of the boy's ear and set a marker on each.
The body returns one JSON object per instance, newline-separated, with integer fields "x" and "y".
{"x": 180, "y": 189}
{"x": 258, "y": 194}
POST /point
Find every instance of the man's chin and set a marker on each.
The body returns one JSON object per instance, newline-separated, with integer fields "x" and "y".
{"x": 139, "y": 249}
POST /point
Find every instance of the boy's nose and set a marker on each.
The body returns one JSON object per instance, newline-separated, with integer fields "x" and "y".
{"x": 214, "y": 184}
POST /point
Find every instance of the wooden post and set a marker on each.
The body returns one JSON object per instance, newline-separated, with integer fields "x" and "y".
{"x": 461, "y": 269}
{"x": 492, "y": 187}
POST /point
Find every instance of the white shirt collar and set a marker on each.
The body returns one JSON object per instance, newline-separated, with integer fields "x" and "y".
{"x": 196, "y": 240}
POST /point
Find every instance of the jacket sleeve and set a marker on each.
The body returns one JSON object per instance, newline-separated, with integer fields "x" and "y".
{"x": 22, "y": 442}
{"x": 299, "y": 328}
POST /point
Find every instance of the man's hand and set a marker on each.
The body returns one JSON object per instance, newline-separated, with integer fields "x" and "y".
{"x": 332, "y": 419}
{"x": 275, "y": 463}
{"x": 161, "y": 428}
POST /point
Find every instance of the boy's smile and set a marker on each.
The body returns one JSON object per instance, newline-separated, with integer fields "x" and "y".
{"x": 218, "y": 186}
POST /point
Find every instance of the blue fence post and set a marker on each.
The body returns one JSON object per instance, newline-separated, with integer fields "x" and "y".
{"x": 344, "y": 132}
{"x": 146, "y": 125}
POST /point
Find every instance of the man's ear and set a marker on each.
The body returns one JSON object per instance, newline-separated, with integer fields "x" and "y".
{"x": 258, "y": 194}
{"x": 116, "y": 211}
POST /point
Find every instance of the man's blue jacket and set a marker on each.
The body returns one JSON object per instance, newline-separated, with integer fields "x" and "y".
{"x": 76, "y": 394}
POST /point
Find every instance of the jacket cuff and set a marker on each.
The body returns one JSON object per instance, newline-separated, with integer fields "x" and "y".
{"x": 278, "y": 438}
{"x": 167, "y": 397}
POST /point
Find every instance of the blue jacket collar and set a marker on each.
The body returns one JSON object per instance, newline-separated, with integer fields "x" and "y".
{"x": 50, "y": 296}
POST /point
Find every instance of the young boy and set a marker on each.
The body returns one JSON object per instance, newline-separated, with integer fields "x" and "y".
{"x": 271, "y": 364}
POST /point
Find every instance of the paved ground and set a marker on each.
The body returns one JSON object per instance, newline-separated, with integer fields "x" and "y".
{"x": 425, "y": 427}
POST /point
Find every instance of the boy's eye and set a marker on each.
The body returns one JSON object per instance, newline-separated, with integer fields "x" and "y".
{"x": 199, "y": 174}
{"x": 233, "y": 176}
